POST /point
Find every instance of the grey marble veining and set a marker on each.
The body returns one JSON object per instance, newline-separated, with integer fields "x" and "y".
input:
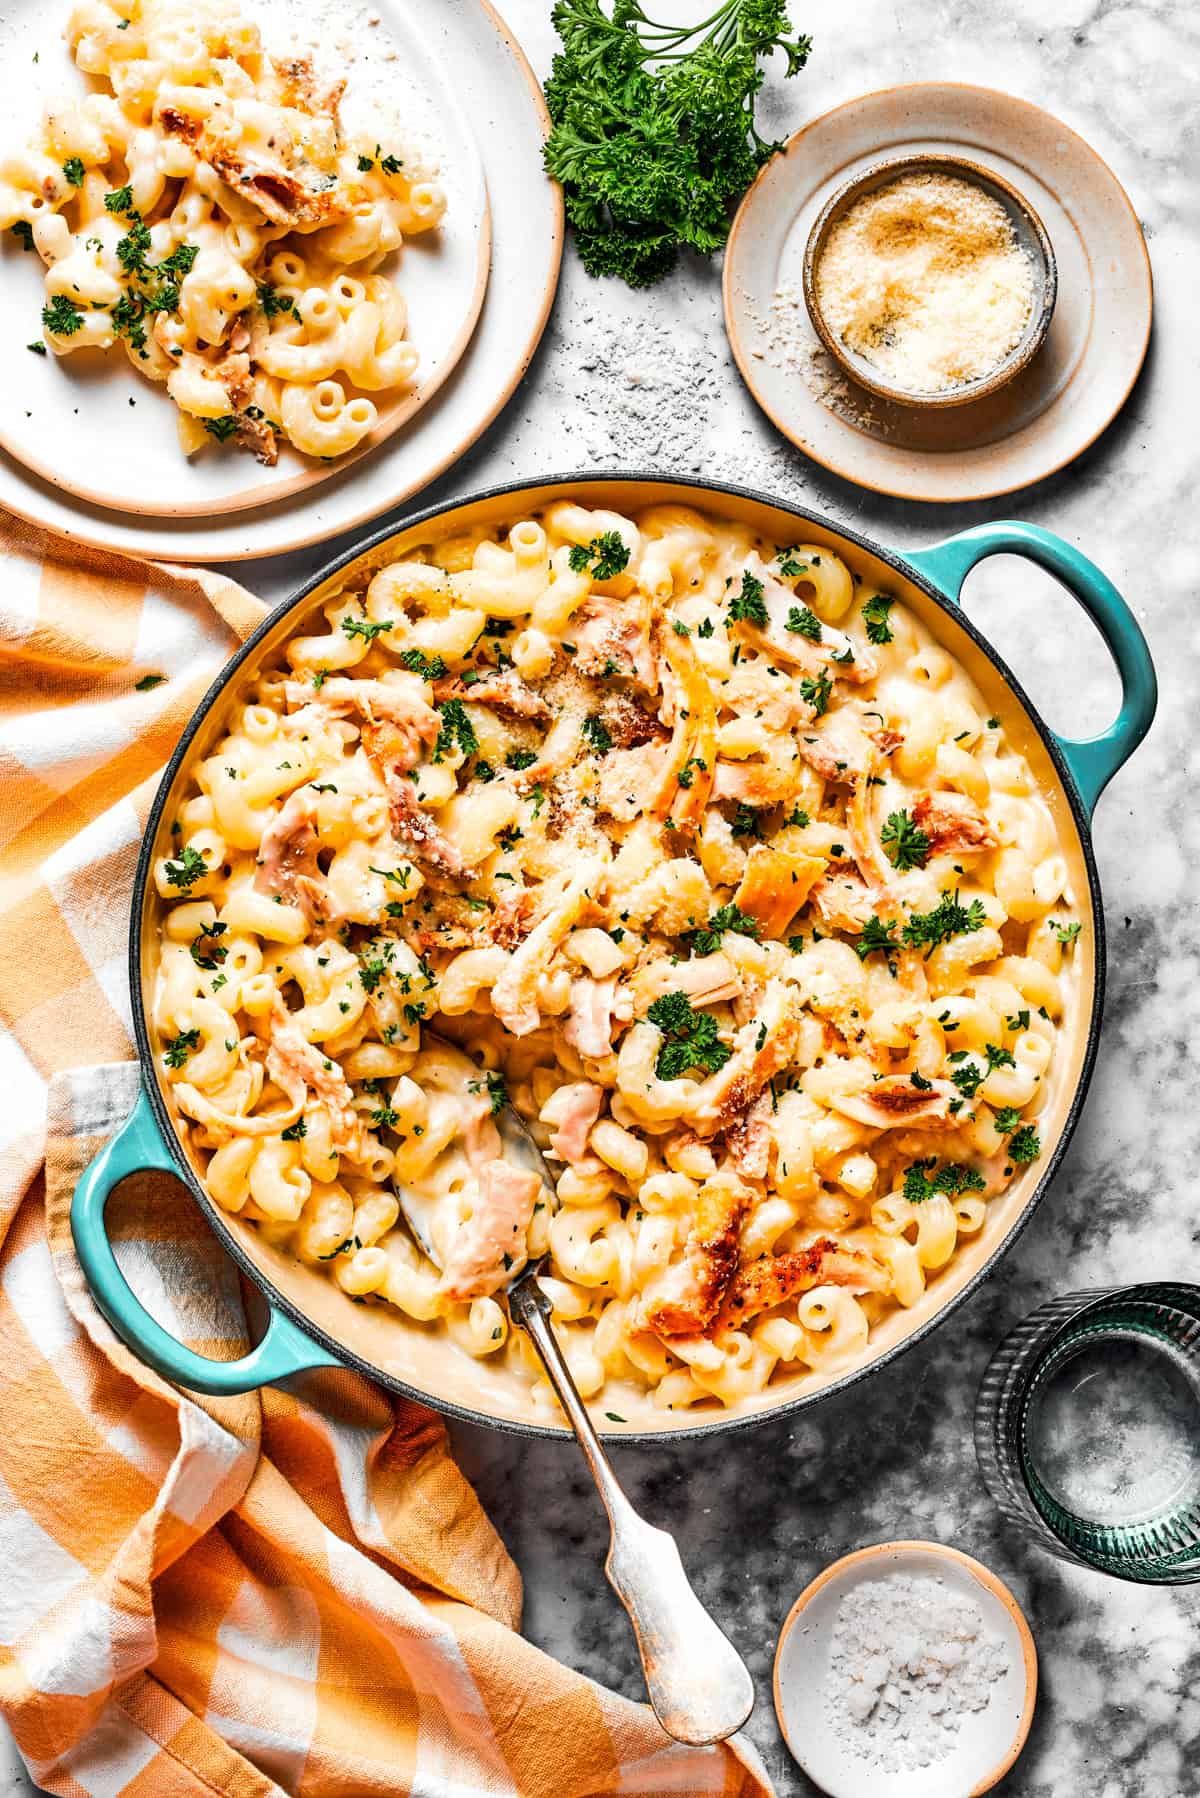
{"x": 647, "y": 378}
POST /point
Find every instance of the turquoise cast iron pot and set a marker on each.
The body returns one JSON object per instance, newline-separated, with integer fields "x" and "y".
{"x": 306, "y": 1328}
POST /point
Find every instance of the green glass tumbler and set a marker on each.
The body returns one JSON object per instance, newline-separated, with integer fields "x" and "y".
{"x": 1087, "y": 1428}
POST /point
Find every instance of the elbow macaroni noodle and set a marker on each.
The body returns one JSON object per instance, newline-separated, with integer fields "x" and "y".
{"x": 209, "y": 216}
{"x": 729, "y": 886}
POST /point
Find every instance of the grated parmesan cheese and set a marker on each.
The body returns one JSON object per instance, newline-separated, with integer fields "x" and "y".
{"x": 925, "y": 280}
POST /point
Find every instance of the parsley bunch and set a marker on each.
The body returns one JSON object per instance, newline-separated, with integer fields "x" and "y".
{"x": 654, "y": 131}
{"x": 691, "y": 1038}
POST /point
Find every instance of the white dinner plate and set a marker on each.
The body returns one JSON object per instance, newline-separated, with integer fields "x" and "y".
{"x": 65, "y": 414}
{"x": 1052, "y": 410}
{"x": 456, "y": 62}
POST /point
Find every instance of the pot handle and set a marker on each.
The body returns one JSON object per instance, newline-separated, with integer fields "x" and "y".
{"x": 1094, "y": 761}
{"x": 136, "y": 1148}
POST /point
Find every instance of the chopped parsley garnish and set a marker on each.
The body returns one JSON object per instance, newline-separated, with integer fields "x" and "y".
{"x": 179, "y": 1047}
{"x": 686, "y": 774}
{"x": 221, "y": 428}
{"x": 181, "y": 260}
{"x": 1007, "y": 1118}
{"x": 23, "y": 232}
{"x": 372, "y": 971}
{"x": 705, "y": 628}
{"x": 798, "y": 816}
{"x": 456, "y": 728}
{"x": 1066, "y": 933}
{"x": 1018, "y": 1021}
{"x": 817, "y": 691}
{"x": 680, "y": 628}
{"x": 131, "y": 249}
{"x": 1025, "y": 1145}
{"x": 596, "y": 734}
{"x": 364, "y": 628}
{"x": 74, "y": 170}
{"x": 804, "y": 623}
{"x": 748, "y": 606}
{"x": 186, "y": 870}
{"x": 603, "y": 558}
{"x": 998, "y": 1057}
{"x": 906, "y": 843}
{"x": 295, "y": 1132}
{"x": 788, "y": 565}
{"x": 271, "y": 301}
{"x": 207, "y": 952}
{"x": 926, "y": 930}
{"x": 691, "y": 1038}
{"x": 877, "y": 937}
{"x": 746, "y": 822}
{"x": 496, "y": 1088}
{"x": 148, "y": 682}
{"x": 417, "y": 662}
{"x": 119, "y": 200}
{"x": 875, "y": 616}
{"x": 60, "y": 317}
{"x": 520, "y": 758}
{"x": 921, "y": 1184}
{"x": 968, "y": 1076}
{"x": 38, "y": 348}
{"x": 707, "y": 938}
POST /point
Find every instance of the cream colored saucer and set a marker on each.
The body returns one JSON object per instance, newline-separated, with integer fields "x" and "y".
{"x": 1055, "y": 408}
{"x": 988, "y": 1741}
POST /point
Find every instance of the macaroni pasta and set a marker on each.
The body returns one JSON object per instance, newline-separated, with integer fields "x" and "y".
{"x": 208, "y": 215}
{"x": 703, "y": 855}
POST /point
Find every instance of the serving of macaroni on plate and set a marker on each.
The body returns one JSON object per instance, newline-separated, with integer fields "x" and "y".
{"x": 700, "y": 852}
{"x": 203, "y": 209}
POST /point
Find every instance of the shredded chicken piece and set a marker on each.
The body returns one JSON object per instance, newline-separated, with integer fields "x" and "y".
{"x": 491, "y": 1247}
{"x": 844, "y": 901}
{"x": 756, "y": 783}
{"x": 512, "y": 918}
{"x": 763, "y": 1047}
{"x": 845, "y": 746}
{"x": 686, "y": 788}
{"x": 287, "y": 858}
{"x": 514, "y": 996}
{"x": 572, "y": 1111}
{"x": 775, "y": 1279}
{"x": 294, "y": 1063}
{"x": 896, "y": 1100}
{"x": 748, "y": 1140}
{"x": 684, "y": 1298}
{"x": 706, "y": 979}
{"x": 589, "y": 1026}
{"x": 399, "y": 702}
{"x": 613, "y": 639}
{"x": 280, "y": 195}
{"x": 953, "y": 824}
{"x": 414, "y": 827}
{"x": 629, "y": 778}
{"x": 505, "y": 692}
{"x": 629, "y": 723}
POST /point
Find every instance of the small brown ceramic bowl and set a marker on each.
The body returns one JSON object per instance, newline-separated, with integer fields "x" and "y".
{"x": 1030, "y": 234}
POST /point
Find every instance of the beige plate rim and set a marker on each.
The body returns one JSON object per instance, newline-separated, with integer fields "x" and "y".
{"x": 847, "y": 469}
{"x": 83, "y": 532}
{"x": 391, "y": 417}
{"x": 986, "y": 1578}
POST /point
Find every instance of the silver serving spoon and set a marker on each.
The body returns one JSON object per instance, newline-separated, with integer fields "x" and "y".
{"x": 697, "y": 1682}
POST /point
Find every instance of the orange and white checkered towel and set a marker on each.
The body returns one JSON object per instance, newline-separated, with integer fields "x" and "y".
{"x": 273, "y": 1593}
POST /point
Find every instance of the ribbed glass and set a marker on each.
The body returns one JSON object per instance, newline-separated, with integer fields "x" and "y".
{"x": 1102, "y": 1375}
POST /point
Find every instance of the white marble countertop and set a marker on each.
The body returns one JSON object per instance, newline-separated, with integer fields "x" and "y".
{"x": 647, "y": 377}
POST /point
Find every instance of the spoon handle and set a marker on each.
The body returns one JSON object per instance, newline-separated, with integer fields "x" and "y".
{"x": 698, "y": 1684}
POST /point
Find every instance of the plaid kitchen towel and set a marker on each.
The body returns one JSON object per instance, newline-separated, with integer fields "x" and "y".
{"x": 280, "y": 1593}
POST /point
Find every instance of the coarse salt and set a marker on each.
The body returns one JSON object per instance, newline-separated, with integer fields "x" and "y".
{"x": 925, "y": 280}
{"x": 910, "y": 1656}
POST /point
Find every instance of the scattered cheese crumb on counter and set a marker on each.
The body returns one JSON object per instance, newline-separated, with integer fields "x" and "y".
{"x": 925, "y": 280}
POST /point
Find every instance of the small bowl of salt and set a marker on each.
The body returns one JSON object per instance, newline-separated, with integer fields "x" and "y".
{"x": 905, "y": 1670}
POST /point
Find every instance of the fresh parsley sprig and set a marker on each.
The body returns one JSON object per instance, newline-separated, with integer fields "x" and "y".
{"x": 654, "y": 131}
{"x": 690, "y": 1038}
